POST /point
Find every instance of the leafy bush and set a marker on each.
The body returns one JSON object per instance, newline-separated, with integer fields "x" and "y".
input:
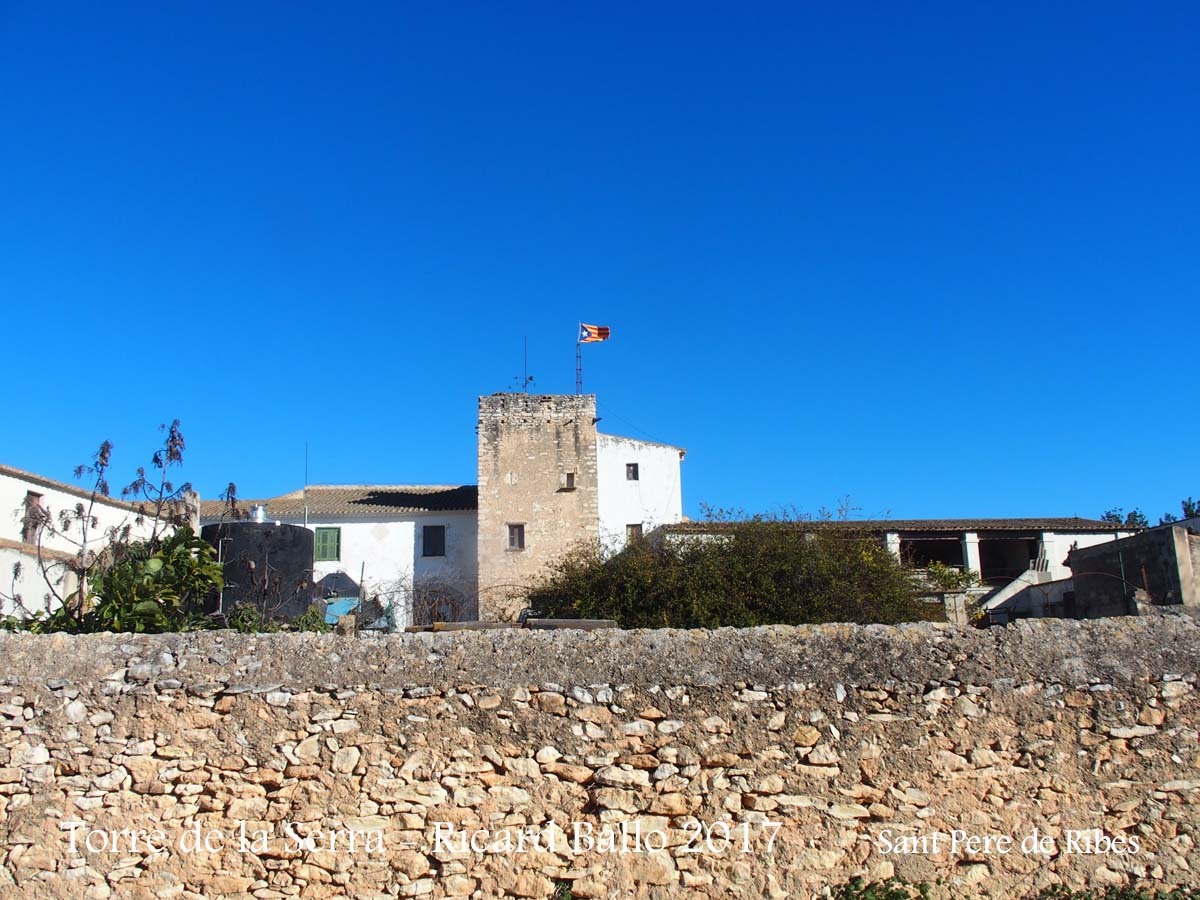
{"x": 891, "y": 889}
{"x": 145, "y": 586}
{"x": 312, "y": 619}
{"x": 249, "y": 618}
{"x": 748, "y": 573}
{"x": 1058, "y": 892}
{"x": 898, "y": 889}
{"x": 950, "y": 578}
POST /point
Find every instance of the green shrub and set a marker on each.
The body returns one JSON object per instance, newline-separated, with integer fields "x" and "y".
{"x": 146, "y": 586}
{"x": 950, "y": 578}
{"x": 890, "y": 889}
{"x": 249, "y": 618}
{"x": 898, "y": 889}
{"x": 312, "y": 619}
{"x": 1058, "y": 892}
{"x": 757, "y": 572}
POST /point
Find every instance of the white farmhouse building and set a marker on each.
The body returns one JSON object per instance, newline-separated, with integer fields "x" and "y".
{"x": 27, "y": 499}
{"x": 1021, "y": 563}
{"x": 639, "y": 488}
{"x": 410, "y": 546}
{"x": 547, "y": 480}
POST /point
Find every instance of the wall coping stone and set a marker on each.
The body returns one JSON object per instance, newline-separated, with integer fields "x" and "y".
{"x": 1113, "y": 651}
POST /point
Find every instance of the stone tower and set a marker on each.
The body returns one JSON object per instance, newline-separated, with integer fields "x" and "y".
{"x": 537, "y": 490}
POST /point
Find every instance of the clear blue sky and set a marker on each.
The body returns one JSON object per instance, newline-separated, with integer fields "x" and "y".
{"x": 941, "y": 258}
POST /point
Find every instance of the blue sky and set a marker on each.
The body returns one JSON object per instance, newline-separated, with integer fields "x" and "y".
{"x": 942, "y": 260}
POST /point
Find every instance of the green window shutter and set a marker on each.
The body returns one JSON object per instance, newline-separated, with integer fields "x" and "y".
{"x": 327, "y": 546}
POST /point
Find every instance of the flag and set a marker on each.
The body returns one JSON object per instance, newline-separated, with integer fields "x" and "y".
{"x": 590, "y": 334}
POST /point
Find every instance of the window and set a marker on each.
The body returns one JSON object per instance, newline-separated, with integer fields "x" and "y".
{"x": 631, "y": 471}
{"x": 633, "y": 533}
{"x": 328, "y": 545}
{"x": 568, "y": 481}
{"x": 516, "y": 537}
{"x": 433, "y": 540}
{"x": 34, "y": 516}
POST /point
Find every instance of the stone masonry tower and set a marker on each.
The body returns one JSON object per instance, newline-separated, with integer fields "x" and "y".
{"x": 537, "y": 490}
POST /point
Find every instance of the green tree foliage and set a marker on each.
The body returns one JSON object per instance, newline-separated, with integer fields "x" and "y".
{"x": 950, "y": 578}
{"x": 249, "y": 618}
{"x": 1189, "y": 507}
{"x": 1058, "y": 892}
{"x": 890, "y": 889}
{"x": 747, "y": 573}
{"x": 157, "y": 582}
{"x": 1134, "y": 519}
{"x": 146, "y": 586}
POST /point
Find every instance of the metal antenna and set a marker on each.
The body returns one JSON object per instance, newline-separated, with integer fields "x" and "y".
{"x": 526, "y": 379}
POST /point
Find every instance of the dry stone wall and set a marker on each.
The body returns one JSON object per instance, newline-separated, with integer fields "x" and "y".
{"x": 766, "y": 762}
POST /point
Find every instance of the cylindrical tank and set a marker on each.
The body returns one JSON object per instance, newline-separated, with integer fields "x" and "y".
{"x": 265, "y": 564}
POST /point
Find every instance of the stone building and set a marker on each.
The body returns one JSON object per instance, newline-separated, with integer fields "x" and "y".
{"x": 1161, "y": 564}
{"x": 410, "y": 547}
{"x": 549, "y": 480}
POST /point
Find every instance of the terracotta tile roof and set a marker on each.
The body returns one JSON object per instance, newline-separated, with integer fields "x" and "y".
{"x": 1068, "y": 525}
{"x": 74, "y": 490}
{"x": 356, "y": 501}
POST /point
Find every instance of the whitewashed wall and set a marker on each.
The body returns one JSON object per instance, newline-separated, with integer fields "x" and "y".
{"x": 457, "y": 569}
{"x": 1059, "y": 545}
{"x": 56, "y": 496}
{"x": 376, "y": 555}
{"x": 655, "y": 499}
{"x": 385, "y": 556}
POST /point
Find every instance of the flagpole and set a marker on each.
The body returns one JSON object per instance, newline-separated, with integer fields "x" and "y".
{"x": 578, "y": 360}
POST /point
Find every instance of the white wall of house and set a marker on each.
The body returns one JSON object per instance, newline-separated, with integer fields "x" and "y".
{"x": 55, "y": 497}
{"x": 29, "y": 583}
{"x": 1057, "y": 546}
{"x": 375, "y": 555}
{"x": 457, "y": 569}
{"x": 655, "y": 498}
{"x": 387, "y": 556}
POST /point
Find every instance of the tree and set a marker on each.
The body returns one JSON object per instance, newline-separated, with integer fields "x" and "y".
{"x": 157, "y": 582}
{"x": 150, "y": 586}
{"x": 754, "y": 572}
{"x": 1189, "y": 507}
{"x": 1134, "y": 519}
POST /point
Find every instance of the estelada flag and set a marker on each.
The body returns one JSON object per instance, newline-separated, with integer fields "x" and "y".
{"x": 590, "y": 334}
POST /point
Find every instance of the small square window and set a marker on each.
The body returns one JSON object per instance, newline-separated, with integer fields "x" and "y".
{"x": 633, "y": 533}
{"x": 568, "y": 481}
{"x": 433, "y": 540}
{"x": 631, "y": 471}
{"x": 516, "y": 537}
{"x": 327, "y": 546}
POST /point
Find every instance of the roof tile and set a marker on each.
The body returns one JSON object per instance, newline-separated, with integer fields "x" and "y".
{"x": 356, "y": 501}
